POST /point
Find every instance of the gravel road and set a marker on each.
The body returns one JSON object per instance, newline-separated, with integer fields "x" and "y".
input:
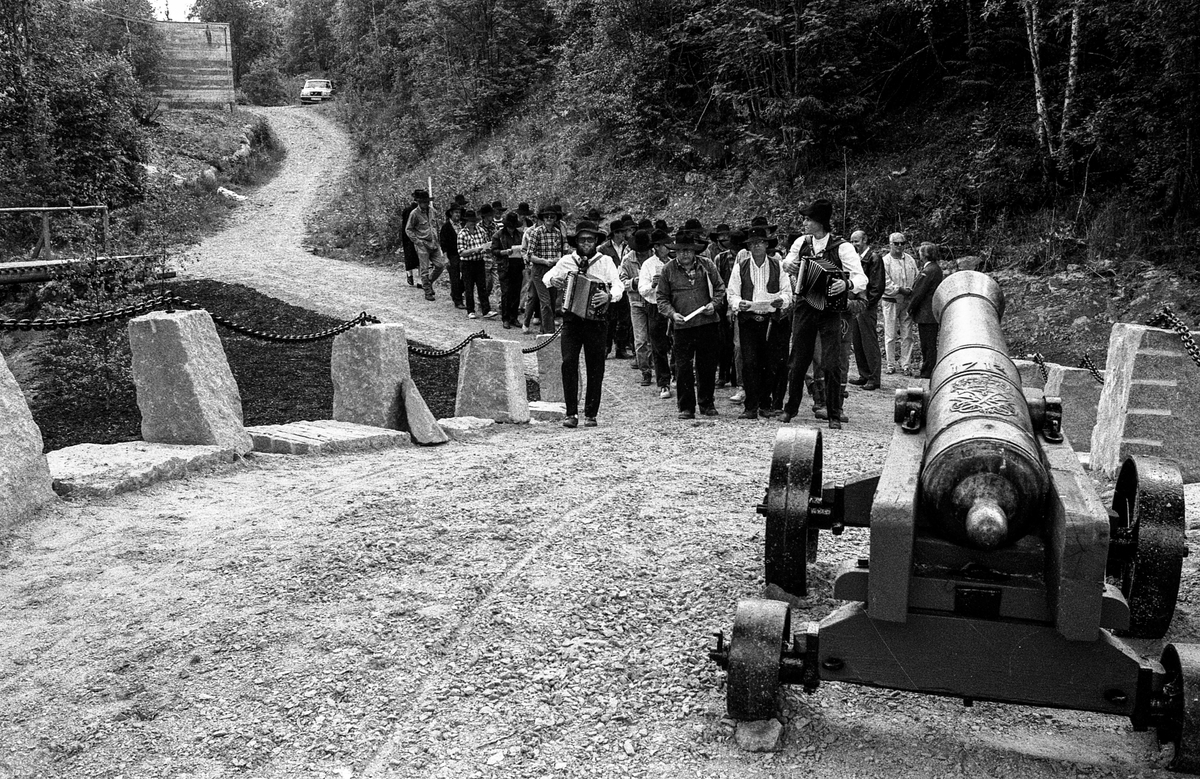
{"x": 530, "y": 602}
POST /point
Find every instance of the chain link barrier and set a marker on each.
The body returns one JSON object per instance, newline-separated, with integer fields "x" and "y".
{"x": 543, "y": 344}
{"x": 1086, "y": 363}
{"x": 420, "y": 351}
{"x": 1041, "y": 364}
{"x": 1167, "y": 320}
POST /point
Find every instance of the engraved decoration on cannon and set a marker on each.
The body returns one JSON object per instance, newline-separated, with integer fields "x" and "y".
{"x": 987, "y": 540}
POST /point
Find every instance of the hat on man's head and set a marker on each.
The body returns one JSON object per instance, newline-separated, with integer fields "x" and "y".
{"x": 592, "y": 215}
{"x": 498, "y": 207}
{"x": 722, "y": 230}
{"x": 486, "y": 210}
{"x": 460, "y": 200}
{"x": 760, "y": 233}
{"x": 645, "y": 224}
{"x": 587, "y": 227}
{"x": 897, "y": 238}
{"x": 737, "y": 239}
{"x": 689, "y": 239}
{"x": 660, "y": 237}
{"x": 470, "y": 216}
{"x": 761, "y": 221}
{"x": 511, "y": 219}
{"x": 523, "y": 209}
{"x": 420, "y": 195}
{"x": 641, "y": 241}
{"x": 550, "y": 210}
{"x": 820, "y": 210}
{"x": 661, "y": 224}
{"x": 694, "y": 225}
{"x": 453, "y": 207}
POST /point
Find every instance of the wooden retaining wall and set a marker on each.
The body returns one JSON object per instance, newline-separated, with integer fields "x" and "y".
{"x": 197, "y": 67}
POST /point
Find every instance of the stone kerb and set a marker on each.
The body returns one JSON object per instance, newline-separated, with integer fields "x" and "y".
{"x": 1031, "y": 374}
{"x": 185, "y": 390}
{"x": 491, "y": 381}
{"x": 24, "y": 474}
{"x": 1148, "y": 404}
{"x": 549, "y": 370}
{"x": 1080, "y": 394}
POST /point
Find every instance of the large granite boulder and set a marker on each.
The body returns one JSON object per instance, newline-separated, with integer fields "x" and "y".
{"x": 491, "y": 381}
{"x": 549, "y": 368}
{"x": 369, "y": 365}
{"x": 185, "y": 390}
{"x": 24, "y": 474}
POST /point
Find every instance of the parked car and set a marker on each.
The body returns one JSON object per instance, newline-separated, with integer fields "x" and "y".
{"x": 316, "y": 90}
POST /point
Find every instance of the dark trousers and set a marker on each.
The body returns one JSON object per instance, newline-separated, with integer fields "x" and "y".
{"x": 588, "y": 335}
{"x": 474, "y": 278}
{"x": 454, "y": 271}
{"x": 928, "y": 334}
{"x": 511, "y": 278}
{"x": 620, "y": 331}
{"x": 660, "y": 346}
{"x": 726, "y": 371}
{"x": 764, "y": 361}
{"x": 807, "y": 324}
{"x": 411, "y": 260}
{"x": 695, "y": 351}
{"x": 543, "y": 298}
{"x": 866, "y": 344}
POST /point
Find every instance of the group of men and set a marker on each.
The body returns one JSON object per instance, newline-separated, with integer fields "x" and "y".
{"x": 698, "y": 309}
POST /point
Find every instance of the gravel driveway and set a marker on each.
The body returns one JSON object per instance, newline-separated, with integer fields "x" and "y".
{"x": 532, "y": 602}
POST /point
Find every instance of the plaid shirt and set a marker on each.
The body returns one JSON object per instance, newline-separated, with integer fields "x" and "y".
{"x": 471, "y": 240}
{"x": 546, "y": 246}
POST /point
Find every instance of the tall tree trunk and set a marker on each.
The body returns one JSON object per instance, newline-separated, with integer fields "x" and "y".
{"x": 1072, "y": 81}
{"x": 1033, "y": 30}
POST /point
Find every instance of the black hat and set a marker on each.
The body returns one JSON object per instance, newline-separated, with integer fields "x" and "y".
{"x": 737, "y": 239}
{"x": 760, "y": 233}
{"x": 553, "y": 208}
{"x": 761, "y": 221}
{"x": 722, "y": 229}
{"x": 694, "y": 225}
{"x": 660, "y": 237}
{"x": 589, "y": 227}
{"x": 820, "y": 210}
{"x": 460, "y": 200}
{"x": 420, "y": 195}
{"x": 486, "y": 210}
{"x": 661, "y": 224}
{"x": 498, "y": 207}
{"x": 624, "y": 223}
{"x": 523, "y": 209}
{"x": 592, "y": 216}
{"x": 453, "y": 207}
{"x": 512, "y": 219}
{"x": 645, "y": 224}
{"x": 642, "y": 241}
{"x": 689, "y": 239}
{"x": 470, "y": 216}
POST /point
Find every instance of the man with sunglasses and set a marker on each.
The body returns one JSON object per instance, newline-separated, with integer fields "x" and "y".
{"x": 900, "y": 273}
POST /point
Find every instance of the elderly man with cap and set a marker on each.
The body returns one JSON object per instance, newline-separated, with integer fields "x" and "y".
{"x": 421, "y": 231}
{"x": 545, "y": 244}
{"x": 827, "y": 270}
{"x": 864, "y": 338}
{"x": 760, "y": 297}
{"x": 656, "y": 324}
{"x": 900, "y": 274}
{"x": 586, "y": 334}
{"x": 689, "y": 292}
{"x": 506, "y": 252}
{"x": 474, "y": 245}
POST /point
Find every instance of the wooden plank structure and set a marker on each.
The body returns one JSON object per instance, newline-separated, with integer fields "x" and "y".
{"x": 197, "y": 69}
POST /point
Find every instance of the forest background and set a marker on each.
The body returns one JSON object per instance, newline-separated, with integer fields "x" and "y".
{"x": 1036, "y": 133}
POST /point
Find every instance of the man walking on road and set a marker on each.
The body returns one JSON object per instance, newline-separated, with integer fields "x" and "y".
{"x": 421, "y": 231}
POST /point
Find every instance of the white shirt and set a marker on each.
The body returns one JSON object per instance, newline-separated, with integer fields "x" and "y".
{"x": 846, "y": 253}
{"x": 899, "y": 272}
{"x": 760, "y": 276}
{"x": 651, "y": 267}
{"x": 601, "y": 268}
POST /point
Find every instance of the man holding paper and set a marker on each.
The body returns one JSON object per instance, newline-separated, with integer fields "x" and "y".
{"x": 689, "y": 293}
{"x": 760, "y": 296}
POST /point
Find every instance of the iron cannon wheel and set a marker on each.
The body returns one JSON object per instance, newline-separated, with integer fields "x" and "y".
{"x": 760, "y": 630}
{"x": 790, "y": 544}
{"x": 1179, "y": 720}
{"x": 1148, "y": 501}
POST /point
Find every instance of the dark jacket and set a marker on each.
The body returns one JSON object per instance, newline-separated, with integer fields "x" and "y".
{"x": 677, "y": 293}
{"x": 872, "y": 265}
{"x": 448, "y": 238}
{"x": 410, "y": 249}
{"x": 502, "y": 241}
{"x": 920, "y": 305}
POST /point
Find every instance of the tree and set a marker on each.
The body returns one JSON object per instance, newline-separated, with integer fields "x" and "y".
{"x": 253, "y": 29}
{"x": 308, "y": 39}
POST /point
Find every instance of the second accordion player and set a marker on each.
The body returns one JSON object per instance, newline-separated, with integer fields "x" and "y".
{"x": 577, "y": 297}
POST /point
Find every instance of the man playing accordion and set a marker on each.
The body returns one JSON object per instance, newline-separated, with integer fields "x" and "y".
{"x": 827, "y": 271}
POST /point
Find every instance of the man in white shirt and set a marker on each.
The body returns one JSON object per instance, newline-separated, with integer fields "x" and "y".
{"x": 760, "y": 296}
{"x": 900, "y": 273}
{"x": 827, "y": 270}
{"x": 590, "y": 335}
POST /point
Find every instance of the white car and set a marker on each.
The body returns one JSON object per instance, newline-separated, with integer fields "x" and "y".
{"x": 316, "y": 90}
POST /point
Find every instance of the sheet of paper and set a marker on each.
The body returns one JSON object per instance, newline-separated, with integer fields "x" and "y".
{"x": 761, "y": 307}
{"x": 694, "y": 314}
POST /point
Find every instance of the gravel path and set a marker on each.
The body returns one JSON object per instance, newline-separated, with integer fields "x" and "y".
{"x": 531, "y": 602}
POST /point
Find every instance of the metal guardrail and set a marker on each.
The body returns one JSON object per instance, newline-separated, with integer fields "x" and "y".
{"x": 24, "y": 272}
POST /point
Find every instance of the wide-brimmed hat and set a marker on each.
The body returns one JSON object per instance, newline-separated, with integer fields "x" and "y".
{"x": 592, "y": 215}
{"x": 645, "y": 224}
{"x": 688, "y": 239}
{"x": 641, "y": 241}
{"x": 486, "y": 210}
{"x": 512, "y": 219}
{"x": 617, "y": 225}
{"x": 552, "y": 209}
{"x": 737, "y": 239}
{"x": 587, "y": 227}
{"x": 722, "y": 229}
{"x": 469, "y": 215}
{"x": 820, "y": 210}
{"x": 523, "y": 209}
{"x": 453, "y": 207}
{"x": 420, "y": 195}
{"x": 761, "y": 221}
{"x": 660, "y": 238}
{"x": 760, "y": 233}
{"x": 661, "y": 224}
{"x": 460, "y": 200}
{"x": 498, "y": 206}
{"x": 694, "y": 225}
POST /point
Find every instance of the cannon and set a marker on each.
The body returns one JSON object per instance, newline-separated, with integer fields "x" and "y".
{"x": 995, "y": 571}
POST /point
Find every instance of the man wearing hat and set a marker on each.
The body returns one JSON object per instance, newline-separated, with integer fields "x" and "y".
{"x": 487, "y": 221}
{"x": 630, "y": 271}
{"x": 411, "y": 261}
{"x": 690, "y": 291}
{"x": 421, "y": 231}
{"x": 817, "y": 309}
{"x": 448, "y": 237}
{"x": 474, "y": 245}
{"x": 656, "y": 324}
{"x": 760, "y": 297}
{"x": 617, "y": 248}
{"x": 506, "y": 251}
{"x": 723, "y": 254}
{"x": 586, "y": 334}
{"x": 545, "y": 245}
{"x": 900, "y": 274}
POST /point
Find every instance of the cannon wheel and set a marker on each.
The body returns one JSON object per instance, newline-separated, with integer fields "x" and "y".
{"x": 790, "y": 544}
{"x": 1180, "y": 720}
{"x": 760, "y": 629}
{"x": 1148, "y": 501}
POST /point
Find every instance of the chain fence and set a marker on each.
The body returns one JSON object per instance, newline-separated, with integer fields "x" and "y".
{"x": 1167, "y": 320}
{"x": 543, "y": 344}
{"x": 421, "y": 351}
{"x": 1086, "y": 363}
{"x": 1041, "y": 364}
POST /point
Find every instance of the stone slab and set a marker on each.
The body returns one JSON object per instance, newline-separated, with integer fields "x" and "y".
{"x": 104, "y": 470}
{"x": 1080, "y": 393}
{"x": 543, "y": 411}
{"x": 491, "y": 381}
{"x": 418, "y": 419}
{"x": 24, "y": 472}
{"x": 1031, "y": 374}
{"x": 549, "y": 370}
{"x": 185, "y": 390}
{"x": 760, "y": 735}
{"x": 1148, "y": 404}
{"x": 459, "y": 428}
{"x": 323, "y": 436}
{"x": 369, "y": 366}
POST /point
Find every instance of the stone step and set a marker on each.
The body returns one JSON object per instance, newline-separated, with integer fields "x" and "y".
{"x": 323, "y": 436}
{"x": 103, "y": 470}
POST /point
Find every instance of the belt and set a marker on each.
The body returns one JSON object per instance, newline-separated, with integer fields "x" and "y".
{"x": 756, "y": 317}
{"x": 890, "y": 300}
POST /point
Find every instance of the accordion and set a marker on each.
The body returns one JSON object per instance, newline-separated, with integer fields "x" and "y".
{"x": 577, "y": 298}
{"x": 817, "y": 276}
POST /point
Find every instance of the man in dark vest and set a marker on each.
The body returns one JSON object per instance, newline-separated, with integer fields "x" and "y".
{"x": 618, "y": 250}
{"x": 448, "y": 237}
{"x": 760, "y": 296}
{"x": 865, "y": 339}
{"x": 827, "y": 270}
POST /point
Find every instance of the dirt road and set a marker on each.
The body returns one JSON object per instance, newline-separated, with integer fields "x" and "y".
{"x": 534, "y": 602}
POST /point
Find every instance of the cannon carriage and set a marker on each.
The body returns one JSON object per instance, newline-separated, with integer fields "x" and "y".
{"x": 995, "y": 571}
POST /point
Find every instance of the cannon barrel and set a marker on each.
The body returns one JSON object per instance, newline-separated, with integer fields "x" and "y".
{"x": 984, "y": 482}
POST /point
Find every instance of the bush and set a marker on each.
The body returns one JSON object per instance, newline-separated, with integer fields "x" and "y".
{"x": 265, "y": 85}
